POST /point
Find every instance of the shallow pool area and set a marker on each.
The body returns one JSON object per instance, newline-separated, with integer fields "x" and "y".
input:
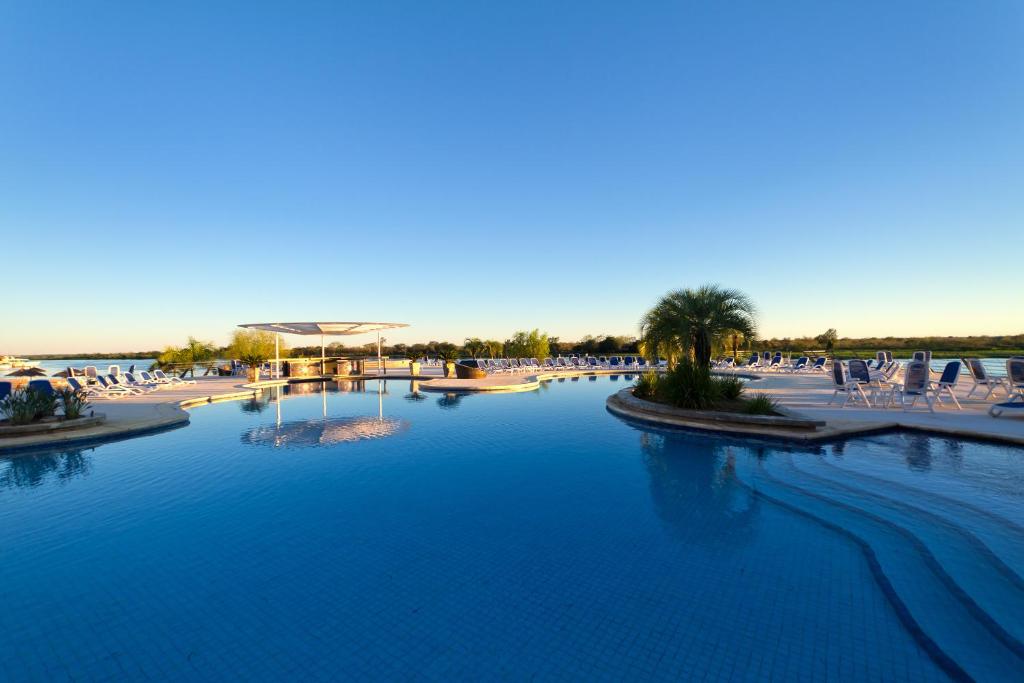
{"x": 371, "y": 530}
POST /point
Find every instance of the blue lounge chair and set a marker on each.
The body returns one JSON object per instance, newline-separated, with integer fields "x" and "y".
{"x": 948, "y": 380}
{"x": 1015, "y": 378}
{"x": 43, "y": 386}
{"x": 800, "y": 365}
{"x": 5, "y": 390}
{"x": 981, "y": 378}
{"x": 842, "y": 384}
{"x": 819, "y": 364}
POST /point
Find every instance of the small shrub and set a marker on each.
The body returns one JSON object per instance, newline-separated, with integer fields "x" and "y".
{"x": 646, "y": 386}
{"x": 25, "y": 405}
{"x": 762, "y": 404}
{"x": 690, "y": 386}
{"x": 731, "y": 388}
{"x": 45, "y": 404}
{"x": 72, "y": 402}
{"x": 18, "y": 407}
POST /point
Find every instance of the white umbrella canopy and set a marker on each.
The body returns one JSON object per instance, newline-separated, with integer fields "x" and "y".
{"x": 322, "y": 328}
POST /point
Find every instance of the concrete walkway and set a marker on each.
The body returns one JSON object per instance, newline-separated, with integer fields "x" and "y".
{"x": 809, "y": 394}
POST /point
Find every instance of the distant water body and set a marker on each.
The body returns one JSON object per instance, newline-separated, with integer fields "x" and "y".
{"x": 54, "y": 366}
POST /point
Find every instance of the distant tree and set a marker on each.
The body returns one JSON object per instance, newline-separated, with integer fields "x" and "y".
{"x": 587, "y": 345}
{"x": 531, "y": 344}
{"x": 554, "y": 346}
{"x": 828, "y": 340}
{"x": 475, "y": 347}
{"x": 194, "y": 351}
{"x": 494, "y": 347}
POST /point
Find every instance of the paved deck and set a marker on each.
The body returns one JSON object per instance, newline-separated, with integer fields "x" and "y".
{"x": 809, "y": 394}
{"x": 138, "y": 414}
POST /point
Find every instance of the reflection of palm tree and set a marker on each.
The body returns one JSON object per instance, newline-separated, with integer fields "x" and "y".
{"x": 919, "y": 452}
{"x": 449, "y": 401}
{"x": 695, "y": 491}
{"x": 31, "y": 469}
{"x": 255, "y": 404}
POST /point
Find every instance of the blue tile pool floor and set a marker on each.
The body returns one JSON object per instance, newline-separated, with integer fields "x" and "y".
{"x": 358, "y": 534}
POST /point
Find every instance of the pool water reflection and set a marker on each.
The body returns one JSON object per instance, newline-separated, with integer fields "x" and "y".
{"x": 369, "y": 530}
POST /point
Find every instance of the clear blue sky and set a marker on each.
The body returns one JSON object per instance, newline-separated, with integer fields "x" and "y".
{"x": 474, "y": 168}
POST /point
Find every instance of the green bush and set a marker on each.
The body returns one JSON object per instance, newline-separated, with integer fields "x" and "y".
{"x": 45, "y": 404}
{"x": 646, "y": 386}
{"x": 27, "y": 405}
{"x": 73, "y": 402}
{"x": 731, "y": 388}
{"x": 762, "y": 404}
{"x": 693, "y": 387}
{"x": 690, "y": 386}
{"x": 19, "y": 407}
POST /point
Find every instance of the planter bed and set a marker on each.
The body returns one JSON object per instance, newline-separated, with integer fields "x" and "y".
{"x": 786, "y": 420}
{"x": 50, "y": 424}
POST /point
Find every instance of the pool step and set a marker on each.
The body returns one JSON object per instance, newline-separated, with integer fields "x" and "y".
{"x": 985, "y": 580}
{"x": 1003, "y": 537}
{"x": 957, "y": 637}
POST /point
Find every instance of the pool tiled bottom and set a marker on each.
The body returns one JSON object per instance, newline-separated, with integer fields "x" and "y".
{"x": 581, "y": 548}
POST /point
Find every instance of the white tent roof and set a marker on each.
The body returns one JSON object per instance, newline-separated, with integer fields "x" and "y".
{"x": 326, "y": 328}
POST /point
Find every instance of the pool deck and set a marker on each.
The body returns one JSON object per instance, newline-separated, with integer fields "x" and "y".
{"x": 804, "y": 395}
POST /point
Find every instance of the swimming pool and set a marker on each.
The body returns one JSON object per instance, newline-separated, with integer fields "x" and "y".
{"x": 357, "y": 533}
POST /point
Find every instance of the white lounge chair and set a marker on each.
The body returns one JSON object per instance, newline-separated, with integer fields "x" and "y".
{"x": 982, "y": 379}
{"x": 174, "y": 379}
{"x": 95, "y": 390}
{"x": 843, "y": 384}
{"x": 1015, "y": 380}
{"x": 916, "y": 385}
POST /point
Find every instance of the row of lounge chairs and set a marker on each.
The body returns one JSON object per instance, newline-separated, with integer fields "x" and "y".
{"x": 122, "y": 385}
{"x": 860, "y": 384}
{"x": 576, "y": 363}
{"x": 769, "y": 363}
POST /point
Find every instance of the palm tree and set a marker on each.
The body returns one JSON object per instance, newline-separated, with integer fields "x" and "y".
{"x": 474, "y": 346}
{"x": 687, "y": 322}
{"x": 494, "y": 348}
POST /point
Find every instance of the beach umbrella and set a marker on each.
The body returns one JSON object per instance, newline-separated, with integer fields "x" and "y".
{"x": 28, "y": 372}
{"x": 62, "y": 373}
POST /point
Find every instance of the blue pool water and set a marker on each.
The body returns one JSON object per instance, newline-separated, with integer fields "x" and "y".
{"x": 352, "y": 533}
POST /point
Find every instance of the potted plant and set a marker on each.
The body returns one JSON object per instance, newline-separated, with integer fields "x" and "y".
{"x": 254, "y": 348}
{"x": 447, "y": 354}
{"x": 414, "y": 363}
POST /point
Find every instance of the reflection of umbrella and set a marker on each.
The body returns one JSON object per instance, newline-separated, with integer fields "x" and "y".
{"x": 323, "y": 432}
{"x": 28, "y": 372}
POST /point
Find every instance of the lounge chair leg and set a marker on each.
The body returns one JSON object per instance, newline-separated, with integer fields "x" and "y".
{"x": 953, "y": 396}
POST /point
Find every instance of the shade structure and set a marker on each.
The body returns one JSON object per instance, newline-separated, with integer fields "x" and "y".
{"x": 324, "y": 328}
{"x": 334, "y": 329}
{"x": 28, "y": 372}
